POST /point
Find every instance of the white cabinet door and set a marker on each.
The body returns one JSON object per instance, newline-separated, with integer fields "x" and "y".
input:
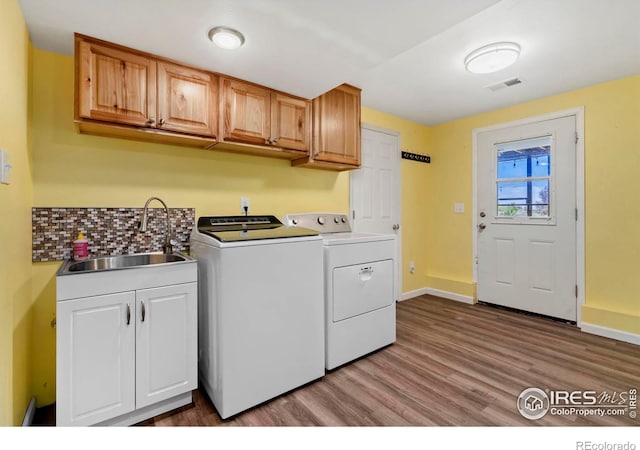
{"x": 166, "y": 343}
{"x": 95, "y": 358}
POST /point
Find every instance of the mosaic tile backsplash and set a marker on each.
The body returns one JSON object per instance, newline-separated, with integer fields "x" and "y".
{"x": 110, "y": 231}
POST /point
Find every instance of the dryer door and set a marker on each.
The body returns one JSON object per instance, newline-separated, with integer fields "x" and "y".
{"x": 361, "y": 288}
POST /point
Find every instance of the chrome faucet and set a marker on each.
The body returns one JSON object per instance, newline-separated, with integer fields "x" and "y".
{"x": 168, "y": 248}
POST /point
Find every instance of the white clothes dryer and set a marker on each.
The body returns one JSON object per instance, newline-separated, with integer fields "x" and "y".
{"x": 359, "y": 279}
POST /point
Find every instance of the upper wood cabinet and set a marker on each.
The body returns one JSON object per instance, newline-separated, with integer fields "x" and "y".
{"x": 336, "y": 130}
{"x": 117, "y": 85}
{"x": 290, "y": 122}
{"x": 187, "y": 100}
{"x": 122, "y": 92}
{"x": 252, "y": 114}
{"x": 245, "y": 112}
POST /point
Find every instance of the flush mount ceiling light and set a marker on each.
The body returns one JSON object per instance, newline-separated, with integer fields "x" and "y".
{"x": 492, "y": 57}
{"x": 226, "y": 38}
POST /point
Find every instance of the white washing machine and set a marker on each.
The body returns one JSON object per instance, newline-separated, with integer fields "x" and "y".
{"x": 260, "y": 309}
{"x": 359, "y": 283}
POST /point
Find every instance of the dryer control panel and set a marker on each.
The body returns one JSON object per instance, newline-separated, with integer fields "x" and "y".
{"x": 322, "y": 222}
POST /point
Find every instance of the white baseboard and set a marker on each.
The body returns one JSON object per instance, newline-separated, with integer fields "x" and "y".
{"x": 437, "y": 293}
{"x": 30, "y": 414}
{"x": 412, "y": 294}
{"x": 610, "y": 333}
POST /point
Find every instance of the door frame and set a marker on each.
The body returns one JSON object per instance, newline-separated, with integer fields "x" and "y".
{"x": 578, "y": 113}
{"x": 398, "y": 265}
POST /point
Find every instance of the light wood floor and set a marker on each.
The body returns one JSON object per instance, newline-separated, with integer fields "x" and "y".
{"x": 452, "y": 364}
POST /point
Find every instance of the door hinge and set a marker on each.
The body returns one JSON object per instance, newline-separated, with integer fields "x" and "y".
{"x": 576, "y": 291}
{"x": 576, "y": 214}
{"x": 353, "y": 214}
{"x": 577, "y": 137}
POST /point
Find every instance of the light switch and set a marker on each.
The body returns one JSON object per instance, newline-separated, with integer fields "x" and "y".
{"x": 458, "y": 208}
{"x": 5, "y": 167}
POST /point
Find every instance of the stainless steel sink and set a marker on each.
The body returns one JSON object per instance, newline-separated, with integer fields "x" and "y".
{"x": 121, "y": 262}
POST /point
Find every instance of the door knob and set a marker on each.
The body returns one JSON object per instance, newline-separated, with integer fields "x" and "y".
{"x": 396, "y": 227}
{"x": 481, "y": 226}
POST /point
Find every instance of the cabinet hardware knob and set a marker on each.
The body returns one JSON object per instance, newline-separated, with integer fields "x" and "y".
{"x": 128, "y": 314}
{"x": 143, "y": 311}
{"x": 273, "y": 141}
{"x": 151, "y": 121}
{"x": 161, "y": 122}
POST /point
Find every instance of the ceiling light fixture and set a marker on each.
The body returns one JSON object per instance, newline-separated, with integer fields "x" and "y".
{"x": 492, "y": 57}
{"x": 226, "y": 38}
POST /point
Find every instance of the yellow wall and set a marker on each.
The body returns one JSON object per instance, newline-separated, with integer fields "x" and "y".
{"x": 416, "y": 188}
{"x": 612, "y": 216}
{"x": 15, "y": 218}
{"x": 78, "y": 170}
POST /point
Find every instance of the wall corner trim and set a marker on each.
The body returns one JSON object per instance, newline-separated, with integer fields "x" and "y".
{"x": 611, "y": 333}
{"x": 437, "y": 293}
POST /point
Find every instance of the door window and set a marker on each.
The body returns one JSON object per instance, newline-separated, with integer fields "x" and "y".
{"x": 524, "y": 189}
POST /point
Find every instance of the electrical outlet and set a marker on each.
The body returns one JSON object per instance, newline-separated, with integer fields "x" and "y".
{"x": 458, "y": 208}
{"x": 244, "y": 205}
{"x": 412, "y": 267}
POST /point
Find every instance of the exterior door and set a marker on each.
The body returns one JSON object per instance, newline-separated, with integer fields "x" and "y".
{"x": 526, "y": 209}
{"x": 375, "y": 189}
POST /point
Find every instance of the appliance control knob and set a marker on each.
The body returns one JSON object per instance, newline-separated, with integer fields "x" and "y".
{"x": 336, "y": 220}
{"x": 321, "y": 220}
{"x": 344, "y": 220}
{"x": 294, "y": 221}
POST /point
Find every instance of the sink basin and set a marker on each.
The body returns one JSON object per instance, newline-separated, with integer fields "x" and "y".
{"x": 121, "y": 262}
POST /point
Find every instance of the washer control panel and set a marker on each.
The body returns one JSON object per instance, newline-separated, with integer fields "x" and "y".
{"x": 321, "y": 222}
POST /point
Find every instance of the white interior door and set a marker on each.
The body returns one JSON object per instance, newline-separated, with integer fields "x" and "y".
{"x": 526, "y": 206}
{"x": 376, "y": 189}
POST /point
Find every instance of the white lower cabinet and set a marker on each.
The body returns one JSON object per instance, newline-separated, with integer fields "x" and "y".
{"x": 166, "y": 336}
{"x": 127, "y": 356}
{"x": 95, "y": 358}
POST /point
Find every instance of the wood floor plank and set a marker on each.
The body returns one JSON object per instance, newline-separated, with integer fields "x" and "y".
{"x": 452, "y": 364}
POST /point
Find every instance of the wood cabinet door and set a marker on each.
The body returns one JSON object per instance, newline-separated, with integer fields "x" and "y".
{"x": 290, "y": 122}
{"x": 186, "y": 100}
{"x": 337, "y": 126}
{"x": 245, "y": 112}
{"x": 115, "y": 85}
{"x": 95, "y": 363}
{"x": 166, "y": 342}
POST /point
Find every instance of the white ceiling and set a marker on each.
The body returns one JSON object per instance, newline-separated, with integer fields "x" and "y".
{"x": 406, "y": 55}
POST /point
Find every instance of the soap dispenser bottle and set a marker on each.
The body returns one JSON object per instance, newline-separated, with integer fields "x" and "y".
{"x": 80, "y": 247}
